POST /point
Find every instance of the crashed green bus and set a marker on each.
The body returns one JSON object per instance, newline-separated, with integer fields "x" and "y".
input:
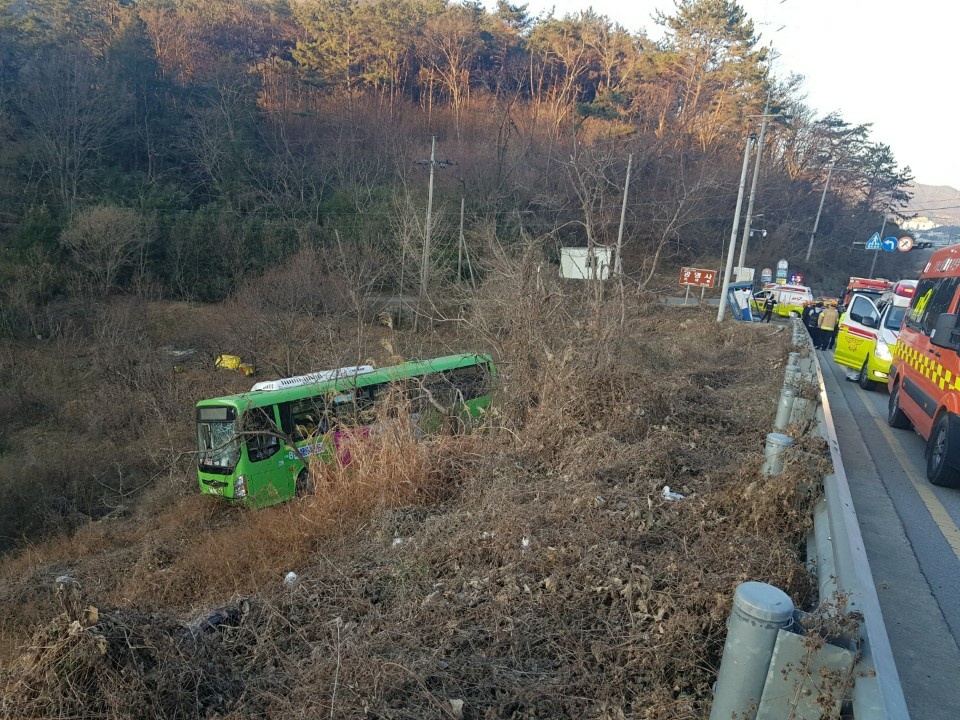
{"x": 255, "y": 448}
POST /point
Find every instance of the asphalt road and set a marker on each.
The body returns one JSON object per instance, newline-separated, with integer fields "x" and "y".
{"x": 910, "y": 530}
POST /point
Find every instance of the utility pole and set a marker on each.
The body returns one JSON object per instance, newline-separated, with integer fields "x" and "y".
{"x": 425, "y": 260}
{"x": 460, "y": 244}
{"x": 733, "y": 232}
{"x": 424, "y": 268}
{"x": 816, "y": 222}
{"x": 462, "y": 249}
{"x": 753, "y": 185}
{"x": 617, "y": 263}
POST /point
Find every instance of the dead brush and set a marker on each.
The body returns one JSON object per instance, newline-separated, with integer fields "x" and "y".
{"x": 541, "y": 572}
{"x": 113, "y": 663}
{"x": 405, "y": 455}
{"x": 384, "y": 465}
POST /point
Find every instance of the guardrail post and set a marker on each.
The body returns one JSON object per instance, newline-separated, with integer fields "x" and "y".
{"x": 804, "y": 410}
{"x": 823, "y": 552}
{"x": 773, "y": 451}
{"x": 785, "y": 408}
{"x": 791, "y": 376}
{"x": 759, "y": 612}
{"x": 799, "y": 332}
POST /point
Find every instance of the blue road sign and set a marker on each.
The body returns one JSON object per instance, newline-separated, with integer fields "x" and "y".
{"x": 889, "y": 244}
{"x": 874, "y": 242}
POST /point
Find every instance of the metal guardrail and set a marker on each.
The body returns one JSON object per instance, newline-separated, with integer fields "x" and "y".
{"x": 768, "y": 671}
{"x": 877, "y": 693}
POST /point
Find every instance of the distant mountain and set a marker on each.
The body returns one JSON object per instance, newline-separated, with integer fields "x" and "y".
{"x": 939, "y": 203}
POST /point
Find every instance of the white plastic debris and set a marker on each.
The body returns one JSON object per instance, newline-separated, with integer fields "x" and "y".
{"x": 397, "y": 541}
{"x": 291, "y": 579}
{"x": 525, "y": 543}
{"x": 669, "y": 494}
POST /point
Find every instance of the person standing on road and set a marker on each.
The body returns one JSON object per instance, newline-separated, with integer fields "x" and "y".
{"x": 811, "y": 322}
{"x": 827, "y": 324}
{"x": 768, "y": 308}
{"x": 836, "y": 328}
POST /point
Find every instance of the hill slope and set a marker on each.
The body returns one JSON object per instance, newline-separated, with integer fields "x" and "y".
{"x": 940, "y": 203}
{"x": 534, "y": 570}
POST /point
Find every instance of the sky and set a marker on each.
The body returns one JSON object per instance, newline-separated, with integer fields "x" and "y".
{"x": 886, "y": 63}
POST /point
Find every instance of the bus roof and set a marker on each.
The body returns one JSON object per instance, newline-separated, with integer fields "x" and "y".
{"x": 333, "y": 380}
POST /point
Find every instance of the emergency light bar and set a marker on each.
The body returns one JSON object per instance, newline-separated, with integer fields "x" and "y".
{"x": 313, "y": 378}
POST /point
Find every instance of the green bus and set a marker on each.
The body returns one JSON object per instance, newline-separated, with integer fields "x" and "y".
{"x": 255, "y": 448}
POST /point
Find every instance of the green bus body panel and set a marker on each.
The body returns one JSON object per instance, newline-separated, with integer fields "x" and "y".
{"x": 273, "y": 479}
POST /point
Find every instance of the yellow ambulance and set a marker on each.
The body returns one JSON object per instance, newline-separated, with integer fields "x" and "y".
{"x": 868, "y": 333}
{"x": 790, "y": 299}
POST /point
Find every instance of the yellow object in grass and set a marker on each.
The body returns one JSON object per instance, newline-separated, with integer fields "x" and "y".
{"x": 233, "y": 362}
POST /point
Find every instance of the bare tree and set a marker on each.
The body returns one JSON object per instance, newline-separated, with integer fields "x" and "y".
{"x": 72, "y": 115}
{"x": 103, "y": 241}
{"x": 683, "y": 202}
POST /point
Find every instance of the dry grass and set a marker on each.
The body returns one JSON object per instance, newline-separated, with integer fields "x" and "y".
{"x": 531, "y": 570}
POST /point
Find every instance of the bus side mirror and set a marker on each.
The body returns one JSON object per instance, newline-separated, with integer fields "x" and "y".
{"x": 945, "y": 333}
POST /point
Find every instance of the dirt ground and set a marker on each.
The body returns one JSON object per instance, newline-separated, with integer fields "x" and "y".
{"x": 532, "y": 569}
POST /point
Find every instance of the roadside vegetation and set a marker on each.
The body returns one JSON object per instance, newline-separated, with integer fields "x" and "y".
{"x": 531, "y": 569}
{"x": 183, "y": 180}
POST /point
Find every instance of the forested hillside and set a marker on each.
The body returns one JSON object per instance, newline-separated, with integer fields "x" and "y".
{"x": 177, "y": 148}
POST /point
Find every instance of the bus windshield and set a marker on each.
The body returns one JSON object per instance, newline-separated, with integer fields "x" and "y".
{"x": 219, "y": 447}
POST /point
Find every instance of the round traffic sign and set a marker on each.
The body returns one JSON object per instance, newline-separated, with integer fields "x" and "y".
{"x": 905, "y": 243}
{"x": 889, "y": 244}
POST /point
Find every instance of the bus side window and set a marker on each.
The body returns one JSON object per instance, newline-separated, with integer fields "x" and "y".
{"x": 449, "y": 387}
{"x": 366, "y": 399}
{"x": 303, "y": 419}
{"x": 263, "y": 439}
{"x": 355, "y": 406}
{"x": 469, "y": 382}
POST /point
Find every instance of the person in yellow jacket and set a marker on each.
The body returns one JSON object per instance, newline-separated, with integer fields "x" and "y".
{"x": 827, "y": 325}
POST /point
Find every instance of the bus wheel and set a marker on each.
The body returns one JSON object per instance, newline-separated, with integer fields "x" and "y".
{"x": 304, "y": 483}
{"x": 896, "y": 418}
{"x": 863, "y": 379}
{"x": 939, "y": 471}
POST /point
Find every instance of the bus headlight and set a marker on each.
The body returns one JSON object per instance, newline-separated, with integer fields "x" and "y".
{"x": 882, "y": 351}
{"x": 240, "y": 486}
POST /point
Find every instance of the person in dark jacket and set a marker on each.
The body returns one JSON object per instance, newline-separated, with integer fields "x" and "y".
{"x": 812, "y": 323}
{"x": 768, "y": 308}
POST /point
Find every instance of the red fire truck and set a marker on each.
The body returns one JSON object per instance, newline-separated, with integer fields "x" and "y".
{"x": 871, "y": 287}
